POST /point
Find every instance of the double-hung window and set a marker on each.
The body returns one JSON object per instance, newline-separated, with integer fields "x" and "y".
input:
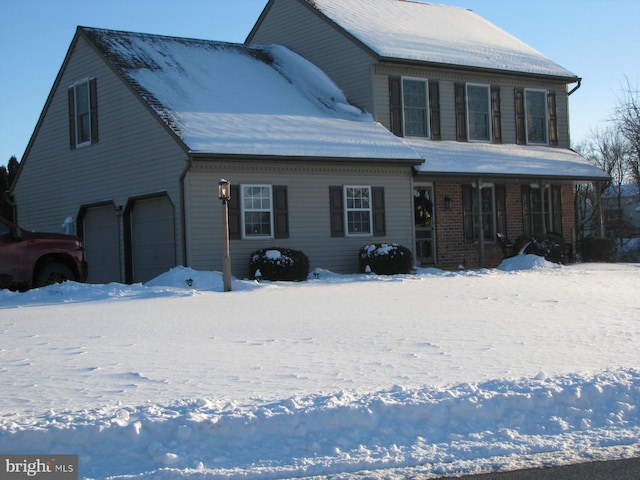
{"x": 479, "y": 112}
{"x": 542, "y": 208}
{"x": 257, "y": 211}
{"x": 83, "y": 113}
{"x": 535, "y": 102}
{"x": 357, "y": 200}
{"x": 415, "y": 107}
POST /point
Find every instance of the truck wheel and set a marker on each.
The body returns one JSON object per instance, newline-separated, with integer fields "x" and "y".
{"x": 53, "y": 273}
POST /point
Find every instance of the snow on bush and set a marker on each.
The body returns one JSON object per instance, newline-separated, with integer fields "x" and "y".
{"x": 279, "y": 264}
{"x": 385, "y": 259}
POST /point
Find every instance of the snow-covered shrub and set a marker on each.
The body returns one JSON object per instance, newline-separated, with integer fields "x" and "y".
{"x": 279, "y": 264}
{"x": 385, "y": 259}
{"x": 593, "y": 249}
{"x": 550, "y": 246}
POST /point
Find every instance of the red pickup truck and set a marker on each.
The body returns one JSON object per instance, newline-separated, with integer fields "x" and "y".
{"x": 34, "y": 259}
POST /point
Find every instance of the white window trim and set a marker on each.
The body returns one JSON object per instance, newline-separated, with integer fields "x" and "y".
{"x": 425, "y": 81}
{"x": 545, "y": 190}
{"x": 85, "y": 81}
{"x": 489, "y": 119}
{"x": 347, "y": 210}
{"x": 243, "y": 210}
{"x": 546, "y": 116}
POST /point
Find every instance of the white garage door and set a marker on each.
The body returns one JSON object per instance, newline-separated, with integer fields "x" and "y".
{"x": 153, "y": 247}
{"x": 102, "y": 244}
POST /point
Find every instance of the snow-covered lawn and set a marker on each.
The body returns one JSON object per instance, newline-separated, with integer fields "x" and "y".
{"x": 434, "y": 373}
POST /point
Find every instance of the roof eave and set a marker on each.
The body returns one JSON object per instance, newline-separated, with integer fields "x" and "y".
{"x": 495, "y": 71}
{"x": 204, "y": 156}
{"x": 515, "y": 177}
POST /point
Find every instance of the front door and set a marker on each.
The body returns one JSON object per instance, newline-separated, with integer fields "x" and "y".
{"x": 424, "y": 224}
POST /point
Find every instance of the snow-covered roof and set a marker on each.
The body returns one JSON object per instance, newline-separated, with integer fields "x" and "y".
{"x": 426, "y": 32}
{"x": 486, "y": 159}
{"x": 227, "y": 98}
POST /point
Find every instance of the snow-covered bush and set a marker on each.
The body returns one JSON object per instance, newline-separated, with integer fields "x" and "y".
{"x": 593, "y": 249}
{"x": 550, "y": 246}
{"x": 279, "y": 264}
{"x": 385, "y": 259}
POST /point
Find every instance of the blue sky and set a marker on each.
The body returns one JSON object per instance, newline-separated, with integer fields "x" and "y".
{"x": 597, "y": 40}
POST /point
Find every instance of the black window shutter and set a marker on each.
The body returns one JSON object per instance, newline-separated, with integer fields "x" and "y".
{"x": 526, "y": 208}
{"x": 461, "y": 113}
{"x": 235, "y": 224}
{"x": 521, "y": 137}
{"x": 434, "y": 110}
{"x": 280, "y": 211}
{"x": 72, "y": 118}
{"x": 501, "y": 208}
{"x": 556, "y": 195}
{"x": 467, "y": 213}
{"x": 495, "y": 115}
{"x": 379, "y": 222}
{"x": 93, "y": 99}
{"x": 553, "y": 118}
{"x": 337, "y": 211}
{"x": 395, "y": 105}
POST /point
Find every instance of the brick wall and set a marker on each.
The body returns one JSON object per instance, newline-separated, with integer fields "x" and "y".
{"x": 451, "y": 249}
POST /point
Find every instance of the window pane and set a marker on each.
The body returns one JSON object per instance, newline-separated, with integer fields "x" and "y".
{"x": 536, "y": 110}
{"x": 478, "y": 112}
{"x": 414, "y": 101}
{"x": 358, "y": 222}
{"x": 256, "y": 202}
{"x": 83, "y": 117}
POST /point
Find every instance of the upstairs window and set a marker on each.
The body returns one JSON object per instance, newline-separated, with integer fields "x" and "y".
{"x": 83, "y": 113}
{"x": 535, "y": 104}
{"x": 479, "y": 112}
{"x": 415, "y": 106}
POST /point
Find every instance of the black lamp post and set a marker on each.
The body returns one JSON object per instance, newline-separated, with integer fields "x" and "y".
{"x": 224, "y": 194}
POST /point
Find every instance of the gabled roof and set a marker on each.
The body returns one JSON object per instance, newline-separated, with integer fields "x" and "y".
{"x": 223, "y": 98}
{"x": 493, "y": 160}
{"x": 431, "y": 33}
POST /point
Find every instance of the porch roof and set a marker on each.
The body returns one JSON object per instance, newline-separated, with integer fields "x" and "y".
{"x": 484, "y": 159}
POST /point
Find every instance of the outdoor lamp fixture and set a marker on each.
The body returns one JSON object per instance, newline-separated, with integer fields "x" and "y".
{"x": 224, "y": 194}
{"x": 224, "y": 190}
{"x": 447, "y": 203}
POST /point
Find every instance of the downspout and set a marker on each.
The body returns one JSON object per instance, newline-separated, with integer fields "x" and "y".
{"x": 576, "y": 87}
{"x": 183, "y": 210}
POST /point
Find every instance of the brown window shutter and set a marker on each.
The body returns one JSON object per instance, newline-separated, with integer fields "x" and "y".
{"x": 467, "y": 213}
{"x": 526, "y": 208}
{"x": 553, "y": 118}
{"x": 280, "y": 211}
{"x": 93, "y": 99}
{"x": 395, "y": 106}
{"x": 495, "y": 114}
{"x": 556, "y": 196}
{"x": 521, "y": 136}
{"x": 501, "y": 208}
{"x": 337, "y": 211}
{"x": 434, "y": 110}
{"x": 235, "y": 224}
{"x": 379, "y": 222}
{"x": 461, "y": 113}
{"x": 72, "y": 118}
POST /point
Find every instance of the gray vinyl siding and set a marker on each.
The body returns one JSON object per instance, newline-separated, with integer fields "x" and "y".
{"x": 135, "y": 155}
{"x": 309, "y": 213}
{"x": 298, "y": 27}
{"x": 447, "y": 80}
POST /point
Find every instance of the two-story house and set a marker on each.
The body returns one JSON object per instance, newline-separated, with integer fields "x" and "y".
{"x": 442, "y": 130}
{"x": 488, "y": 114}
